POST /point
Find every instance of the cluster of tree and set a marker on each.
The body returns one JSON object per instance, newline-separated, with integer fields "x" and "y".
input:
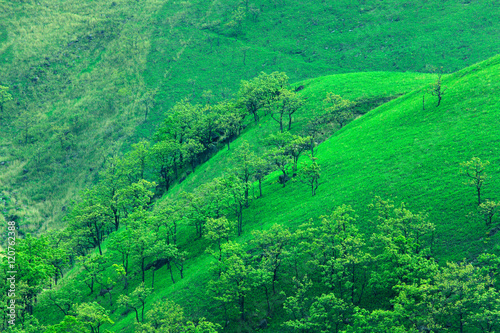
{"x": 330, "y": 278}
{"x": 142, "y": 237}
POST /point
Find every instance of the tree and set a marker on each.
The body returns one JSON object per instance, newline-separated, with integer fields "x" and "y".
{"x": 136, "y": 301}
{"x": 235, "y": 198}
{"x": 272, "y": 248}
{"x": 93, "y": 315}
{"x": 437, "y": 89}
{"x": 135, "y": 196}
{"x": 338, "y": 109}
{"x": 93, "y": 267}
{"x": 401, "y": 247}
{"x": 310, "y": 174}
{"x": 285, "y": 149}
{"x": 63, "y": 300}
{"x": 488, "y": 209}
{"x": 260, "y": 91}
{"x": 88, "y": 220}
{"x": 295, "y": 148}
{"x": 262, "y": 168}
{"x": 326, "y": 314}
{"x": 69, "y": 324}
{"x": 231, "y": 123}
{"x": 34, "y": 271}
{"x": 122, "y": 242}
{"x": 217, "y": 231}
{"x": 167, "y": 317}
{"x": 233, "y": 284}
{"x": 342, "y": 259}
{"x": 5, "y": 96}
{"x": 164, "y": 155}
{"x": 244, "y": 162}
{"x": 143, "y": 237}
{"x": 286, "y": 104}
{"x": 474, "y": 170}
{"x": 208, "y": 200}
{"x": 191, "y": 149}
{"x": 164, "y": 316}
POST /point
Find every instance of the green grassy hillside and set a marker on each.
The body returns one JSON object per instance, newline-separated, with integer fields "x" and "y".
{"x": 397, "y": 151}
{"x": 83, "y": 75}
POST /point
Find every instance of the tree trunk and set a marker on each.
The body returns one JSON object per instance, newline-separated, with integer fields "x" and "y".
{"x": 142, "y": 268}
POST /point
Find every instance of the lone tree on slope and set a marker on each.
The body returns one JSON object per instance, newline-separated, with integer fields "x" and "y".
{"x": 474, "y": 170}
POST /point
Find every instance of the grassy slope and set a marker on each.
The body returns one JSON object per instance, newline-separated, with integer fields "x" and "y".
{"x": 93, "y": 86}
{"x": 397, "y": 151}
{"x": 190, "y": 292}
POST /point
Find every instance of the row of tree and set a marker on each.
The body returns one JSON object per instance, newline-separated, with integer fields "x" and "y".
{"x": 141, "y": 238}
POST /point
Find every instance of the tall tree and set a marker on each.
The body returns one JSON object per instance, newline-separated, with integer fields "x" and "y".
{"x": 272, "y": 245}
{"x": 285, "y": 105}
{"x": 475, "y": 171}
{"x": 260, "y": 91}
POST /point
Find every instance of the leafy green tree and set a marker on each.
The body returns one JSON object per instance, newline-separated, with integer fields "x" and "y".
{"x": 285, "y": 149}
{"x": 113, "y": 179}
{"x": 166, "y": 217}
{"x": 218, "y": 231}
{"x": 93, "y": 315}
{"x": 286, "y": 104}
{"x": 475, "y": 172}
{"x": 297, "y": 305}
{"x": 164, "y": 316}
{"x": 400, "y": 247}
{"x": 262, "y": 168}
{"x": 61, "y": 299}
{"x": 260, "y": 91}
{"x": 34, "y": 271}
{"x": 338, "y": 109}
{"x": 122, "y": 242}
{"x": 69, "y": 324}
{"x": 310, "y": 174}
{"x": 89, "y": 220}
{"x": 5, "y": 96}
{"x": 133, "y": 197}
{"x": 234, "y": 283}
{"x": 144, "y": 239}
{"x": 136, "y": 301}
{"x": 93, "y": 268}
{"x": 329, "y": 314}
{"x": 245, "y": 162}
{"x": 272, "y": 245}
{"x": 341, "y": 256}
{"x": 488, "y": 209}
{"x": 235, "y": 200}
{"x": 191, "y": 149}
{"x": 167, "y": 317}
{"x": 164, "y": 156}
{"x": 231, "y": 122}
{"x": 208, "y": 200}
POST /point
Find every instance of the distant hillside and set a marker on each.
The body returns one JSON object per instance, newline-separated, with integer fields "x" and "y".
{"x": 84, "y": 76}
